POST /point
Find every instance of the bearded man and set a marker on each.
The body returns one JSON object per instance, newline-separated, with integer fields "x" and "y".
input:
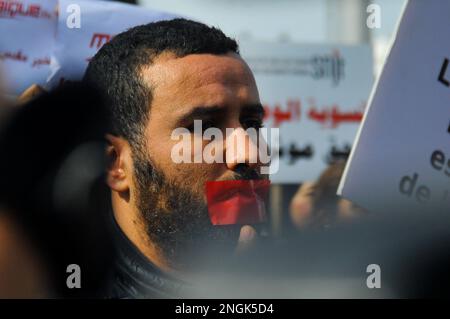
{"x": 158, "y": 78}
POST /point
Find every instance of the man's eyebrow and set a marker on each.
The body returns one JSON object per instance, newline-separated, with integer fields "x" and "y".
{"x": 199, "y": 112}
{"x": 202, "y": 111}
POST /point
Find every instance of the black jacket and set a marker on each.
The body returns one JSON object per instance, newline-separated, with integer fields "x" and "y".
{"x": 134, "y": 276}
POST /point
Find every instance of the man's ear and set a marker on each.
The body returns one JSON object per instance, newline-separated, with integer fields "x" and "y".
{"x": 120, "y": 165}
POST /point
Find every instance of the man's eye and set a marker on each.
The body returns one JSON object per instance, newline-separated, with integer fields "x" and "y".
{"x": 207, "y": 124}
{"x": 253, "y": 123}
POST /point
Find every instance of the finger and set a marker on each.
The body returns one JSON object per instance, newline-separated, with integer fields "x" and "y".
{"x": 247, "y": 239}
{"x": 30, "y": 93}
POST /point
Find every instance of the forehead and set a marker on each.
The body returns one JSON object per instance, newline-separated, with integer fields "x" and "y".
{"x": 199, "y": 78}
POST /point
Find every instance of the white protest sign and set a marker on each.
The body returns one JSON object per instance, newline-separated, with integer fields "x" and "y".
{"x": 84, "y": 26}
{"x": 316, "y": 95}
{"x": 402, "y": 151}
{"x": 28, "y": 34}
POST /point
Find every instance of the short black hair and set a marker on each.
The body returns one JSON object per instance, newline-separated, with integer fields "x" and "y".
{"x": 115, "y": 69}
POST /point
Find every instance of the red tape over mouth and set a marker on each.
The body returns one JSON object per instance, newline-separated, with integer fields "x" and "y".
{"x": 237, "y": 201}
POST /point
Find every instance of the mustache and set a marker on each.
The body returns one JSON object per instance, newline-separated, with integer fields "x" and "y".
{"x": 243, "y": 172}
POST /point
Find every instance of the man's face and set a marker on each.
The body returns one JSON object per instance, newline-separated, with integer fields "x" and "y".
{"x": 221, "y": 92}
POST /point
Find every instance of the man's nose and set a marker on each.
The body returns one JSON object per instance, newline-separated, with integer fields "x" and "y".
{"x": 240, "y": 148}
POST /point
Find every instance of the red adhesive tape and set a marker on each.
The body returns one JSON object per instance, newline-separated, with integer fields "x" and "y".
{"x": 237, "y": 201}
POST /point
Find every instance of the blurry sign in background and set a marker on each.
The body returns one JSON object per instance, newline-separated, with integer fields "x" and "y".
{"x": 26, "y": 42}
{"x": 100, "y": 22}
{"x": 316, "y": 95}
{"x": 402, "y": 154}
{"x": 42, "y": 44}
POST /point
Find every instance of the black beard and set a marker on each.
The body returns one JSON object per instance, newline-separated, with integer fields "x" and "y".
{"x": 177, "y": 221}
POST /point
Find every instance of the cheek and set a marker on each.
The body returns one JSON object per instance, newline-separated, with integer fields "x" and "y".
{"x": 190, "y": 176}
{"x": 194, "y": 176}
